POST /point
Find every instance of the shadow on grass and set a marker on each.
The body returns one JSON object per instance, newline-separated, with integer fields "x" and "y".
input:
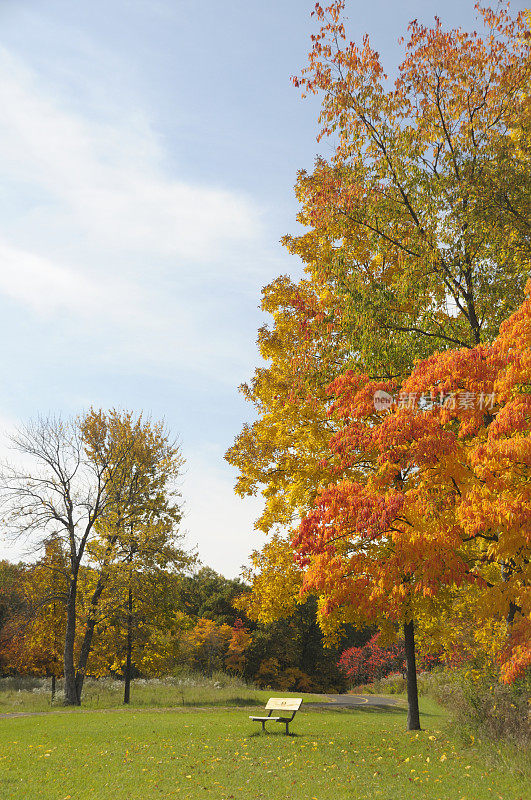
{"x": 232, "y": 702}
{"x": 290, "y": 735}
{"x": 367, "y": 709}
{"x": 362, "y": 708}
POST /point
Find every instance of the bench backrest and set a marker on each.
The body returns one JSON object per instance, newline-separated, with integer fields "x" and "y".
{"x": 284, "y": 703}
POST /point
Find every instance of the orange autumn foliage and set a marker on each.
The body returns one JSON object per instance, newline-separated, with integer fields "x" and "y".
{"x": 447, "y": 494}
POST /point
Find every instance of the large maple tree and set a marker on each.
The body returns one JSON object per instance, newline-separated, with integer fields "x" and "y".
{"x": 418, "y": 228}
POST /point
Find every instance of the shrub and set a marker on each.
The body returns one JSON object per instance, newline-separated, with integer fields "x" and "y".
{"x": 395, "y": 683}
{"x": 295, "y": 679}
{"x": 482, "y": 707}
{"x": 268, "y": 673}
{"x": 371, "y": 662}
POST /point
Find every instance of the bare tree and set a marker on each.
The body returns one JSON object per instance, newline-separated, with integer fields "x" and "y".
{"x": 60, "y": 492}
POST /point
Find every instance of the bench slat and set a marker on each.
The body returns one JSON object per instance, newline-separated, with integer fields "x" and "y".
{"x": 284, "y": 704}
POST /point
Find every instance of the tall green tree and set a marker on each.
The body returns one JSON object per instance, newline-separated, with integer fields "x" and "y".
{"x": 207, "y": 594}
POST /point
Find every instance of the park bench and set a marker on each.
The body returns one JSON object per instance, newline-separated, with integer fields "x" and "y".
{"x": 281, "y": 704}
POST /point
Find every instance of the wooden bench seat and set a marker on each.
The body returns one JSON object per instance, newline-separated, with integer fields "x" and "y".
{"x": 281, "y": 704}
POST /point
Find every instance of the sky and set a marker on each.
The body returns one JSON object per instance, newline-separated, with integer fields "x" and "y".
{"x": 148, "y": 151}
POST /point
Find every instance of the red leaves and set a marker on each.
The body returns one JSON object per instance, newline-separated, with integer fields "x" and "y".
{"x": 438, "y": 491}
{"x": 344, "y": 512}
{"x": 370, "y": 662}
{"x": 412, "y": 439}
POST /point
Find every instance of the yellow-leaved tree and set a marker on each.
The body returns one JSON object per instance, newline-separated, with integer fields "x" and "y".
{"x": 285, "y": 453}
{"x": 137, "y": 546}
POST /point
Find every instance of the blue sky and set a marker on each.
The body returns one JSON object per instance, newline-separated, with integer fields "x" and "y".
{"x": 148, "y": 150}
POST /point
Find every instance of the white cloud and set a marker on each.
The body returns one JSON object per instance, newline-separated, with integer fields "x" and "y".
{"x": 108, "y": 178}
{"x": 137, "y": 268}
{"x": 97, "y": 229}
{"x": 135, "y": 326}
{"x": 50, "y": 289}
{"x": 42, "y": 285}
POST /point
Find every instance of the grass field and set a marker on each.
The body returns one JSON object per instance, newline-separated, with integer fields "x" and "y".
{"x": 32, "y": 695}
{"x": 218, "y": 753}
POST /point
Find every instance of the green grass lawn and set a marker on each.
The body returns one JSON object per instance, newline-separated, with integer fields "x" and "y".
{"x": 218, "y": 753}
{"x": 197, "y": 690}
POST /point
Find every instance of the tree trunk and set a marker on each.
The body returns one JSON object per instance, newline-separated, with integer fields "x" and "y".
{"x": 91, "y": 621}
{"x": 71, "y": 695}
{"x": 506, "y": 572}
{"x": 87, "y": 639}
{"x": 53, "y": 688}
{"x": 413, "y": 718}
{"x": 127, "y": 688}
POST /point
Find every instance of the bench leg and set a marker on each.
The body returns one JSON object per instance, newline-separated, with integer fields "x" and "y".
{"x": 263, "y": 725}
{"x": 287, "y": 729}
